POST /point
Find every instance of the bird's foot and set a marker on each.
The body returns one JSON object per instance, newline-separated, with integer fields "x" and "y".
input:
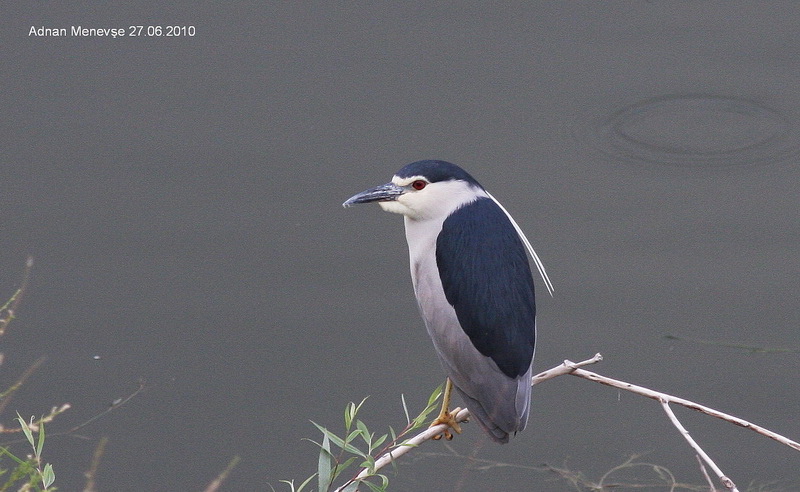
{"x": 449, "y": 419}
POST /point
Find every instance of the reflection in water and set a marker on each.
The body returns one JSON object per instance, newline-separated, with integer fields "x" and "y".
{"x": 695, "y": 130}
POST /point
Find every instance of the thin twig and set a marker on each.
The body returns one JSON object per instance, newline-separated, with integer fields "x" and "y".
{"x": 73, "y": 431}
{"x": 8, "y": 310}
{"x": 5, "y": 397}
{"x": 726, "y": 482}
{"x": 91, "y": 473}
{"x": 711, "y": 487}
{"x": 567, "y": 367}
{"x": 114, "y": 405}
{"x": 217, "y": 482}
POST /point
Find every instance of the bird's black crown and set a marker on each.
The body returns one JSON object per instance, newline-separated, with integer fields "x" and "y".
{"x": 435, "y": 171}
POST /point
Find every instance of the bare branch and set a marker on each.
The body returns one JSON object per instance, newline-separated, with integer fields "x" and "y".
{"x": 710, "y": 482}
{"x": 726, "y": 482}
{"x": 567, "y": 367}
{"x": 658, "y": 396}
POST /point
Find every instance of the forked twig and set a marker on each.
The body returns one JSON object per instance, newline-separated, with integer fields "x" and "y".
{"x": 726, "y": 482}
{"x": 574, "y": 369}
{"x": 659, "y": 397}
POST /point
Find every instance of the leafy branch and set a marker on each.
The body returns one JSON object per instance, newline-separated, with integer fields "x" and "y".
{"x": 358, "y": 444}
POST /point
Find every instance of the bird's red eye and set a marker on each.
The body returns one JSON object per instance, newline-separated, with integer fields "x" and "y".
{"x": 419, "y": 184}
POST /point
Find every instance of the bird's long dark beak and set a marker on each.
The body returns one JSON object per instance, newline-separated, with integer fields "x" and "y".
{"x": 383, "y": 193}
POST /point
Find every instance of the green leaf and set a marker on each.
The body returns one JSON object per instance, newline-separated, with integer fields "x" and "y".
{"x": 435, "y": 395}
{"x": 358, "y": 407}
{"x": 338, "y": 441}
{"x": 342, "y": 466}
{"x": 353, "y": 487}
{"x": 373, "y": 487}
{"x": 420, "y": 419}
{"x": 353, "y": 435}
{"x": 348, "y": 415}
{"x": 384, "y": 480}
{"x": 369, "y": 464}
{"x": 364, "y": 431}
{"x": 324, "y": 465}
{"x": 405, "y": 408}
{"x": 40, "y": 442}
{"x": 48, "y": 475}
{"x": 379, "y": 441}
{"x": 8, "y": 453}
{"x": 305, "y": 482}
{"x": 290, "y": 483}
{"x": 26, "y": 429}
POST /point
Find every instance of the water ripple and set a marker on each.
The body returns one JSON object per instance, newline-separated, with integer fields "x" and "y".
{"x": 695, "y": 130}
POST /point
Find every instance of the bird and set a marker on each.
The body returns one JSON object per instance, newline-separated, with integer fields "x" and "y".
{"x": 474, "y": 288}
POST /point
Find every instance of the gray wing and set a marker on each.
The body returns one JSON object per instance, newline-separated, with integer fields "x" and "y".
{"x": 499, "y": 403}
{"x": 487, "y": 279}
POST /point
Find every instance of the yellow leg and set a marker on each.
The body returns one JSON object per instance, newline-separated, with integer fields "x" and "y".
{"x": 445, "y": 417}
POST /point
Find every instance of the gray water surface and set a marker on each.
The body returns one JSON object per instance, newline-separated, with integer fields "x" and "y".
{"x": 182, "y": 200}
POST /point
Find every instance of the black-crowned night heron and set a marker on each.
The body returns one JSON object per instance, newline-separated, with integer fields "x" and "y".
{"x": 474, "y": 289}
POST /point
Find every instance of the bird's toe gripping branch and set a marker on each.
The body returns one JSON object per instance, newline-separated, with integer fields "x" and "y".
{"x": 449, "y": 419}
